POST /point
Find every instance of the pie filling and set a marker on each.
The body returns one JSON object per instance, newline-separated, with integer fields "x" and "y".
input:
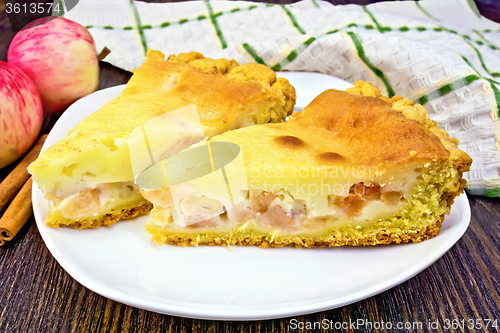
{"x": 365, "y": 203}
{"x": 405, "y": 205}
{"x": 97, "y": 201}
{"x": 280, "y": 212}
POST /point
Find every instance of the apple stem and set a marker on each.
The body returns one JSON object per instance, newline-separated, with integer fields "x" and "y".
{"x": 105, "y": 51}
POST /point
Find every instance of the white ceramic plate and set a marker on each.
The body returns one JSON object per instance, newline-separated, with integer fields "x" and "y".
{"x": 242, "y": 283}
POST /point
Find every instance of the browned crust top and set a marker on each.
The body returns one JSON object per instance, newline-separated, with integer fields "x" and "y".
{"x": 362, "y": 121}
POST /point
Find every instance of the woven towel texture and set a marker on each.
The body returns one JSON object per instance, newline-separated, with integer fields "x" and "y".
{"x": 435, "y": 52}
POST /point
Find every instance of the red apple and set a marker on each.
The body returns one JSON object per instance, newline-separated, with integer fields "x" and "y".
{"x": 59, "y": 55}
{"x": 21, "y": 113}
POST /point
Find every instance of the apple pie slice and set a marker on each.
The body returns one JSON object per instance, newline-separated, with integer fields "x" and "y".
{"x": 87, "y": 177}
{"x": 354, "y": 168}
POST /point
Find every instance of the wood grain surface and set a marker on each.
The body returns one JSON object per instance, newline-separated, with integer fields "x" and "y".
{"x": 37, "y": 295}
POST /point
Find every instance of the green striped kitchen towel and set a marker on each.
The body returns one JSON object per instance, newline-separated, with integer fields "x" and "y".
{"x": 436, "y": 52}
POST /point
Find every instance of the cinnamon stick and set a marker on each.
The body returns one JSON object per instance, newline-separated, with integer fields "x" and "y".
{"x": 17, "y": 214}
{"x": 18, "y": 177}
